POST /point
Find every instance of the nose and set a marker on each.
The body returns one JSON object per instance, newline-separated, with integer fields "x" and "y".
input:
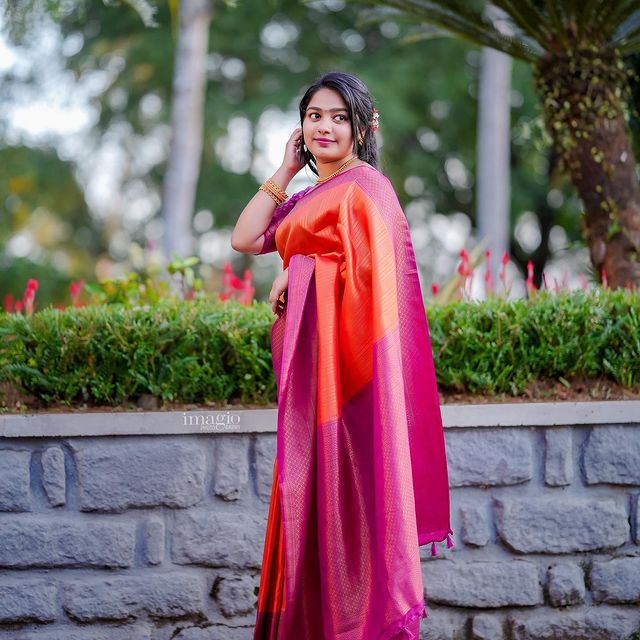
{"x": 324, "y": 125}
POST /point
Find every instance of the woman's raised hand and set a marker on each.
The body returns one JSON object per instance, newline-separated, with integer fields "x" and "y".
{"x": 292, "y": 160}
{"x": 278, "y": 289}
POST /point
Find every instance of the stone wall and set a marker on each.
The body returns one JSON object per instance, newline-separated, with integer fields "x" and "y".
{"x": 152, "y": 527}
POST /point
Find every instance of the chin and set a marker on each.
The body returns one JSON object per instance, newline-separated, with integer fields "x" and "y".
{"x": 324, "y": 156}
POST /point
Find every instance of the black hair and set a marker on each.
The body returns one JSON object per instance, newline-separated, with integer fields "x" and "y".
{"x": 360, "y": 105}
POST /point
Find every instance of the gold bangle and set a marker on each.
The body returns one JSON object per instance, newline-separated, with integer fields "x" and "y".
{"x": 277, "y": 196}
{"x": 277, "y": 189}
{"x": 270, "y": 194}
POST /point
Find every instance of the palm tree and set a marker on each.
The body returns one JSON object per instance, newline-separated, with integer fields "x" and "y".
{"x": 577, "y": 50}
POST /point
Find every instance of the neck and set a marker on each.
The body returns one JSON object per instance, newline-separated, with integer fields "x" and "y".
{"x": 325, "y": 169}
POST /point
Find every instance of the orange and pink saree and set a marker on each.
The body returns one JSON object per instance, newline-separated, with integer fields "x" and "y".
{"x": 360, "y": 476}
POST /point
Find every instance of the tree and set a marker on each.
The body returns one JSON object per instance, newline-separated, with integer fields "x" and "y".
{"x": 183, "y": 167}
{"x": 493, "y": 175}
{"x": 576, "y": 50}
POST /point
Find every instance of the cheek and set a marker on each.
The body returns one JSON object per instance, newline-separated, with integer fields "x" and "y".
{"x": 346, "y": 135}
{"x": 307, "y": 128}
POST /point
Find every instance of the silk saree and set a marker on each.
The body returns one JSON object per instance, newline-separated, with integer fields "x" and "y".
{"x": 360, "y": 475}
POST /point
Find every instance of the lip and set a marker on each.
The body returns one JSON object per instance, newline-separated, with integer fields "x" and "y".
{"x": 323, "y": 140}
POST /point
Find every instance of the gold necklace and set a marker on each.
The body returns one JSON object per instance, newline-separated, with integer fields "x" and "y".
{"x": 335, "y": 173}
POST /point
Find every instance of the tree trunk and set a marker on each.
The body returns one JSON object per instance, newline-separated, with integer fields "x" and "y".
{"x": 584, "y": 95}
{"x": 493, "y": 193}
{"x": 612, "y": 213}
{"x": 183, "y": 167}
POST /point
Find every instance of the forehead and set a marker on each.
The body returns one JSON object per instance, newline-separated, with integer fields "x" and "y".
{"x": 327, "y": 99}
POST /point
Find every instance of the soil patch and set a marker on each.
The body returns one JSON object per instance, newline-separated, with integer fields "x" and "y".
{"x": 578, "y": 390}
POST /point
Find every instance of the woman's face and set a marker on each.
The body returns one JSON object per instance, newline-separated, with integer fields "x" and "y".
{"x": 327, "y": 128}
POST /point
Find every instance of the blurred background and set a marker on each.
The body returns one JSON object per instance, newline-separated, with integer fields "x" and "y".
{"x": 91, "y": 92}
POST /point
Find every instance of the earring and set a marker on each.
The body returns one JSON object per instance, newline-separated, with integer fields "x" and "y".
{"x": 360, "y": 140}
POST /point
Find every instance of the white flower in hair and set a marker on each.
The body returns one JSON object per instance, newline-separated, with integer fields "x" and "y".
{"x": 375, "y": 121}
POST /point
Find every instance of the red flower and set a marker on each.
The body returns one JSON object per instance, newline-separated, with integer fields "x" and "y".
{"x": 529, "y": 282}
{"x": 605, "y": 282}
{"x": 234, "y": 287}
{"x": 434, "y": 289}
{"x": 76, "y": 289}
{"x": 583, "y": 281}
{"x": 465, "y": 269}
{"x": 8, "y": 303}
{"x": 488, "y": 274}
{"x": 28, "y": 298}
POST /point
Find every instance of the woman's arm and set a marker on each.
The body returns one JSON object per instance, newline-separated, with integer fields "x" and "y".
{"x": 247, "y": 236}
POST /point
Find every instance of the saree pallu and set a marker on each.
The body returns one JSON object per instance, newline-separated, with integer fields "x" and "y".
{"x": 360, "y": 475}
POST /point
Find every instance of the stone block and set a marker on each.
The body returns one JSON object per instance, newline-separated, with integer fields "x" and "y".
{"x": 154, "y": 541}
{"x": 93, "y": 632}
{"x": 612, "y": 455}
{"x": 265, "y": 456}
{"x": 481, "y": 457}
{"x": 636, "y": 512}
{"x": 568, "y": 525}
{"x": 236, "y": 595}
{"x": 616, "y": 581}
{"x": 231, "y": 472}
{"x": 166, "y": 595}
{"x": 487, "y": 626}
{"x": 476, "y": 531}
{"x": 215, "y": 632}
{"x": 482, "y": 584}
{"x": 558, "y": 461}
{"x": 565, "y": 584}
{"x": 14, "y": 480}
{"x": 37, "y": 541}
{"x": 231, "y": 539}
{"x": 54, "y": 476}
{"x": 117, "y": 476}
{"x": 595, "y": 623}
{"x": 27, "y": 600}
{"x": 443, "y": 624}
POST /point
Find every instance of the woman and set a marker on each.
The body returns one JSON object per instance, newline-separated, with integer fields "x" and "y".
{"x": 360, "y": 476}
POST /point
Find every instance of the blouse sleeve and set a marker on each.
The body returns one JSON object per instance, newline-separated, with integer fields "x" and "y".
{"x": 279, "y": 215}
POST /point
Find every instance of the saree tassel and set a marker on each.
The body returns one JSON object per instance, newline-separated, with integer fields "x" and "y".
{"x": 449, "y": 541}
{"x": 408, "y": 635}
{"x": 434, "y": 549}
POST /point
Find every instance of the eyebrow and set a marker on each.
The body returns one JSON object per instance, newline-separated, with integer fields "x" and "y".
{"x": 319, "y": 109}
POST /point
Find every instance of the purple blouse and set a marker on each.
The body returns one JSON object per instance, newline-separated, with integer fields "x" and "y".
{"x": 278, "y": 216}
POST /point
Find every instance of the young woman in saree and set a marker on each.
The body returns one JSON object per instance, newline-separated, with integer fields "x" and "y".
{"x": 360, "y": 476}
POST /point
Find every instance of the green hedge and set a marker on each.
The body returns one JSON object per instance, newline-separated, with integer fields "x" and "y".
{"x": 199, "y": 351}
{"x": 178, "y": 351}
{"x": 500, "y": 347}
